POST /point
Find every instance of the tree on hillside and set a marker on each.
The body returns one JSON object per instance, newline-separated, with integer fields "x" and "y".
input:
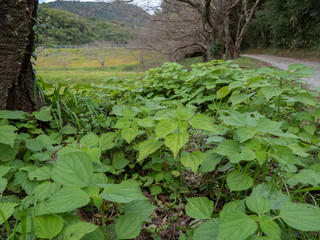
{"x": 16, "y": 47}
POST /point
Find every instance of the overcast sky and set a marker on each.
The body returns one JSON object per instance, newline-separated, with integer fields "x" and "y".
{"x": 142, "y": 3}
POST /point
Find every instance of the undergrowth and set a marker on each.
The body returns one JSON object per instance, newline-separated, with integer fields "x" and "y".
{"x": 215, "y": 152}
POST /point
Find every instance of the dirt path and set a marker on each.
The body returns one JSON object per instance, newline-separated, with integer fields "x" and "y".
{"x": 283, "y": 63}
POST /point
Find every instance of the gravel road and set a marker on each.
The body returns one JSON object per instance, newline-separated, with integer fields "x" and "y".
{"x": 283, "y": 63}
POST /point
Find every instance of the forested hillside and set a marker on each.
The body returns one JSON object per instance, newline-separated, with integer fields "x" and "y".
{"x": 64, "y": 28}
{"x": 124, "y": 13}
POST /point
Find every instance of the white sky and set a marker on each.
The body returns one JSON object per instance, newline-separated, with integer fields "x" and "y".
{"x": 146, "y": 4}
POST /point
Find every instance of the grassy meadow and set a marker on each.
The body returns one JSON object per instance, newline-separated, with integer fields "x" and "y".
{"x": 83, "y": 66}
{"x": 73, "y": 66}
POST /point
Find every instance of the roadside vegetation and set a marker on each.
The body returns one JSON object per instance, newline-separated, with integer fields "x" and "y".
{"x": 215, "y": 152}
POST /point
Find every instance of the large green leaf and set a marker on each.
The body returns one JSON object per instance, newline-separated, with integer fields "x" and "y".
{"x": 78, "y": 230}
{"x": 128, "y": 113}
{"x": 236, "y": 119}
{"x": 222, "y": 92}
{"x": 66, "y": 199}
{"x": 165, "y": 127}
{"x": 12, "y": 114}
{"x": 124, "y": 192}
{"x": 211, "y": 159}
{"x": 269, "y": 227}
{"x": 192, "y": 160}
{"x": 7, "y": 210}
{"x": 8, "y": 135}
{"x": 270, "y": 91}
{"x": 119, "y": 161}
{"x": 239, "y": 181}
{"x": 208, "y": 230}
{"x": 175, "y": 141}
{"x": 40, "y": 174}
{"x": 44, "y": 190}
{"x": 203, "y": 122}
{"x": 89, "y": 140}
{"x": 305, "y": 98}
{"x": 228, "y": 147}
{"x": 301, "y": 217}
{"x": 258, "y": 204}
{"x": 48, "y": 226}
{"x": 144, "y": 207}
{"x": 75, "y": 168}
{"x": 148, "y": 147}
{"x": 123, "y": 123}
{"x": 236, "y": 226}
{"x": 129, "y": 134}
{"x": 106, "y": 141}
{"x": 44, "y": 114}
{"x": 243, "y": 134}
{"x": 128, "y": 226}
{"x": 199, "y": 208}
{"x": 8, "y": 153}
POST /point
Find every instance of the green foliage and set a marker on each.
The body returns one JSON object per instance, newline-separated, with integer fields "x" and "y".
{"x": 241, "y": 169}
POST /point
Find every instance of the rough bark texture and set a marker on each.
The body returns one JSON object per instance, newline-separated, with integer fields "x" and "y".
{"x": 16, "y": 46}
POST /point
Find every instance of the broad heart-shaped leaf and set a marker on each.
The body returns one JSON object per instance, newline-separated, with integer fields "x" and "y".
{"x": 44, "y": 190}
{"x": 199, "y": 208}
{"x": 8, "y": 135}
{"x": 184, "y": 113}
{"x": 165, "y": 127}
{"x": 192, "y": 160}
{"x": 12, "y": 114}
{"x": 270, "y": 91}
{"x": 203, "y": 122}
{"x": 269, "y": 227}
{"x": 44, "y": 115}
{"x": 236, "y": 226}
{"x": 222, "y": 92}
{"x": 175, "y": 141}
{"x": 106, "y": 141}
{"x": 128, "y": 113}
{"x": 89, "y": 140}
{"x": 258, "y": 204}
{"x": 128, "y": 226}
{"x": 8, "y": 153}
{"x": 48, "y": 226}
{"x": 129, "y": 134}
{"x": 146, "y": 122}
{"x": 208, "y": 230}
{"x": 301, "y": 217}
{"x": 148, "y": 147}
{"x": 305, "y": 98}
{"x": 239, "y": 181}
{"x": 119, "y": 161}
{"x": 7, "y": 210}
{"x": 77, "y": 230}
{"x": 211, "y": 159}
{"x": 66, "y": 199}
{"x": 122, "y": 123}
{"x": 243, "y": 134}
{"x": 232, "y": 207}
{"x": 124, "y": 192}
{"x": 228, "y": 147}
{"x": 144, "y": 207}
{"x": 75, "y": 168}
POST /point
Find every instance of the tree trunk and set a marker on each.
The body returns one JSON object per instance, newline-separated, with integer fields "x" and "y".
{"x": 16, "y": 47}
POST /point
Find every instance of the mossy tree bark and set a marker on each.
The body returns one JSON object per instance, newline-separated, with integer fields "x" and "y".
{"x": 16, "y": 47}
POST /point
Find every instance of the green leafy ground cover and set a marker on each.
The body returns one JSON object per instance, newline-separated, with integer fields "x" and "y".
{"x": 215, "y": 152}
